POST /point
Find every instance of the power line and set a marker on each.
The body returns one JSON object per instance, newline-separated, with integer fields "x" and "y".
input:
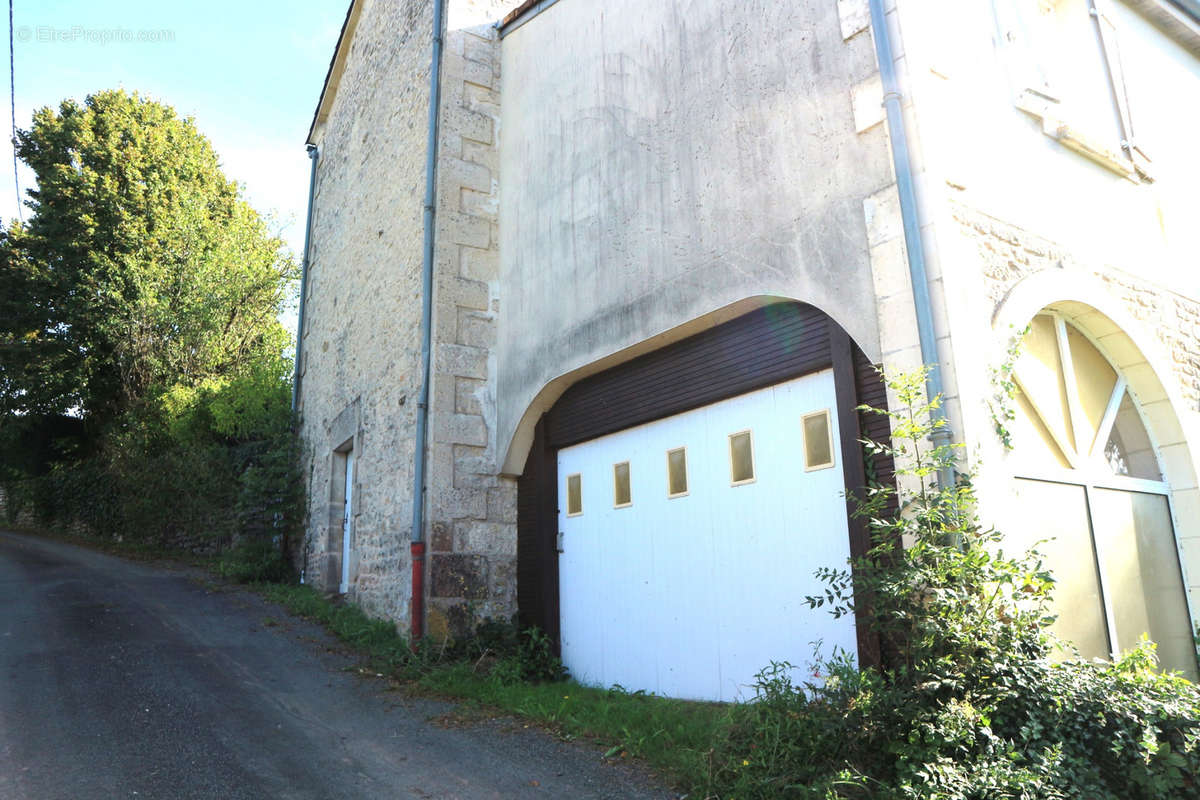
{"x": 12, "y": 105}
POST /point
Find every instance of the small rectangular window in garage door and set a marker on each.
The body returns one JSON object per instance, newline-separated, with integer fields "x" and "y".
{"x": 818, "y": 440}
{"x": 677, "y": 478}
{"x": 622, "y": 497}
{"x": 574, "y": 495}
{"x": 741, "y": 458}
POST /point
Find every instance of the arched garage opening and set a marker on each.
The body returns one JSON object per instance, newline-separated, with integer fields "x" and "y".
{"x": 673, "y": 508}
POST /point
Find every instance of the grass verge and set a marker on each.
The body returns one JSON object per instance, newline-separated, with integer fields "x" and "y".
{"x": 674, "y": 737}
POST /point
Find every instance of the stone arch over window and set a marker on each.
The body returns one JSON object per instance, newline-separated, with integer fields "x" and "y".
{"x": 1102, "y": 469}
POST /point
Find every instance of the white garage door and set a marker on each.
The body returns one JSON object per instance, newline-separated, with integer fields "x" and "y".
{"x": 689, "y": 544}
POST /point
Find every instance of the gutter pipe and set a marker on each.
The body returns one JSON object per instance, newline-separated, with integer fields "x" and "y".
{"x": 313, "y": 153}
{"x": 910, "y": 215}
{"x": 417, "y": 607}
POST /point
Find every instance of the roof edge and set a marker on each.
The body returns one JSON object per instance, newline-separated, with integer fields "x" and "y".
{"x": 1178, "y": 19}
{"x": 522, "y": 14}
{"x": 336, "y": 64}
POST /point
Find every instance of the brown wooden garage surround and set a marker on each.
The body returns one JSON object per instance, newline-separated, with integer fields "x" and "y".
{"x": 766, "y": 346}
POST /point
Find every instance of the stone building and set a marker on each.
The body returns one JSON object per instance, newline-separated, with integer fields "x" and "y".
{"x": 667, "y": 242}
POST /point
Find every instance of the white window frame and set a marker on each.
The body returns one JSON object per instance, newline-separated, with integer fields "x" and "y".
{"x": 753, "y": 466}
{"x": 687, "y": 481}
{"x": 1090, "y": 471}
{"x": 832, "y": 462}
{"x": 567, "y": 492}
{"x": 629, "y": 478}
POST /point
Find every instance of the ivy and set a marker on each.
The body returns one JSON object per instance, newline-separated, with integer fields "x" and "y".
{"x": 1004, "y": 389}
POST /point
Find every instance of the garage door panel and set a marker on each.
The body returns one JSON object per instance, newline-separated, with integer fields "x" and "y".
{"x": 691, "y": 596}
{"x": 686, "y": 569}
{"x": 628, "y": 626}
{"x": 685, "y": 602}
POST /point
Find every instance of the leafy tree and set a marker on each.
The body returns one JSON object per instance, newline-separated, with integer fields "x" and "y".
{"x": 140, "y": 267}
{"x": 143, "y": 386}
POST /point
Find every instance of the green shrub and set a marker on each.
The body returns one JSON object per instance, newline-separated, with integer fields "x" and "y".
{"x": 255, "y": 560}
{"x": 969, "y": 703}
{"x": 201, "y": 467}
{"x": 520, "y": 654}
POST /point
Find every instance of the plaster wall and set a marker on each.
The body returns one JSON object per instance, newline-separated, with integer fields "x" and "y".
{"x": 1008, "y": 201}
{"x": 663, "y": 160}
{"x": 979, "y": 58}
{"x": 1018, "y": 213}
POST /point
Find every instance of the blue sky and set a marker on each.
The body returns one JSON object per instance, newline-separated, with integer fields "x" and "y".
{"x": 249, "y": 72}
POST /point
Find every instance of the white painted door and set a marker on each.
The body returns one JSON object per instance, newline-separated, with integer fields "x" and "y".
{"x": 347, "y": 508}
{"x": 691, "y": 595}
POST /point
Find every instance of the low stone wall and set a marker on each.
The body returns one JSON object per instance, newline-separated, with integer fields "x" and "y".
{"x": 25, "y": 519}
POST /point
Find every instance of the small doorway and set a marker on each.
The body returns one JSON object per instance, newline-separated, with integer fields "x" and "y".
{"x": 345, "y": 458}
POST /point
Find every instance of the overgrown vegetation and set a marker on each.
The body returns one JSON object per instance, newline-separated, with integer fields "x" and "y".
{"x": 970, "y": 703}
{"x": 513, "y": 655}
{"x": 144, "y": 389}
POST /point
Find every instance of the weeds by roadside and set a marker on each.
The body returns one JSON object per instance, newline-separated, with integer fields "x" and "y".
{"x": 673, "y": 736}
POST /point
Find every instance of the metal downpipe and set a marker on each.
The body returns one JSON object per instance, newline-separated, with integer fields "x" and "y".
{"x": 417, "y": 606}
{"x": 312, "y": 183}
{"x": 910, "y": 215}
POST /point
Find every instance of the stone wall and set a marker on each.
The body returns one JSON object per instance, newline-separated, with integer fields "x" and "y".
{"x": 25, "y": 519}
{"x": 1007, "y": 254}
{"x": 360, "y": 368}
{"x": 360, "y": 349}
{"x": 470, "y": 509}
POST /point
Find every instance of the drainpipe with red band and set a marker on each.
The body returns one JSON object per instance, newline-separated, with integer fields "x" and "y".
{"x": 417, "y": 611}
{"x": 417, "y": 607}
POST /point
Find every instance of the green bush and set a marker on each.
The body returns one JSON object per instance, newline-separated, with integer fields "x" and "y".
{"x": 163, "y": 418}
{"x": 197, "y": 469}
{"x": 255, "y": 560}
{"x": 519, "y": 654}
{"x": 969, "y": 704}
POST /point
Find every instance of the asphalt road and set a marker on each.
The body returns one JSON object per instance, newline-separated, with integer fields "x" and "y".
{"x": 127, "y": 680}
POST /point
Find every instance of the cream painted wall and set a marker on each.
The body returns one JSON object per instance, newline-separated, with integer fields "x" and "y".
{"x": 979, "y": 57}
{"x": 1013, "y": 214}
